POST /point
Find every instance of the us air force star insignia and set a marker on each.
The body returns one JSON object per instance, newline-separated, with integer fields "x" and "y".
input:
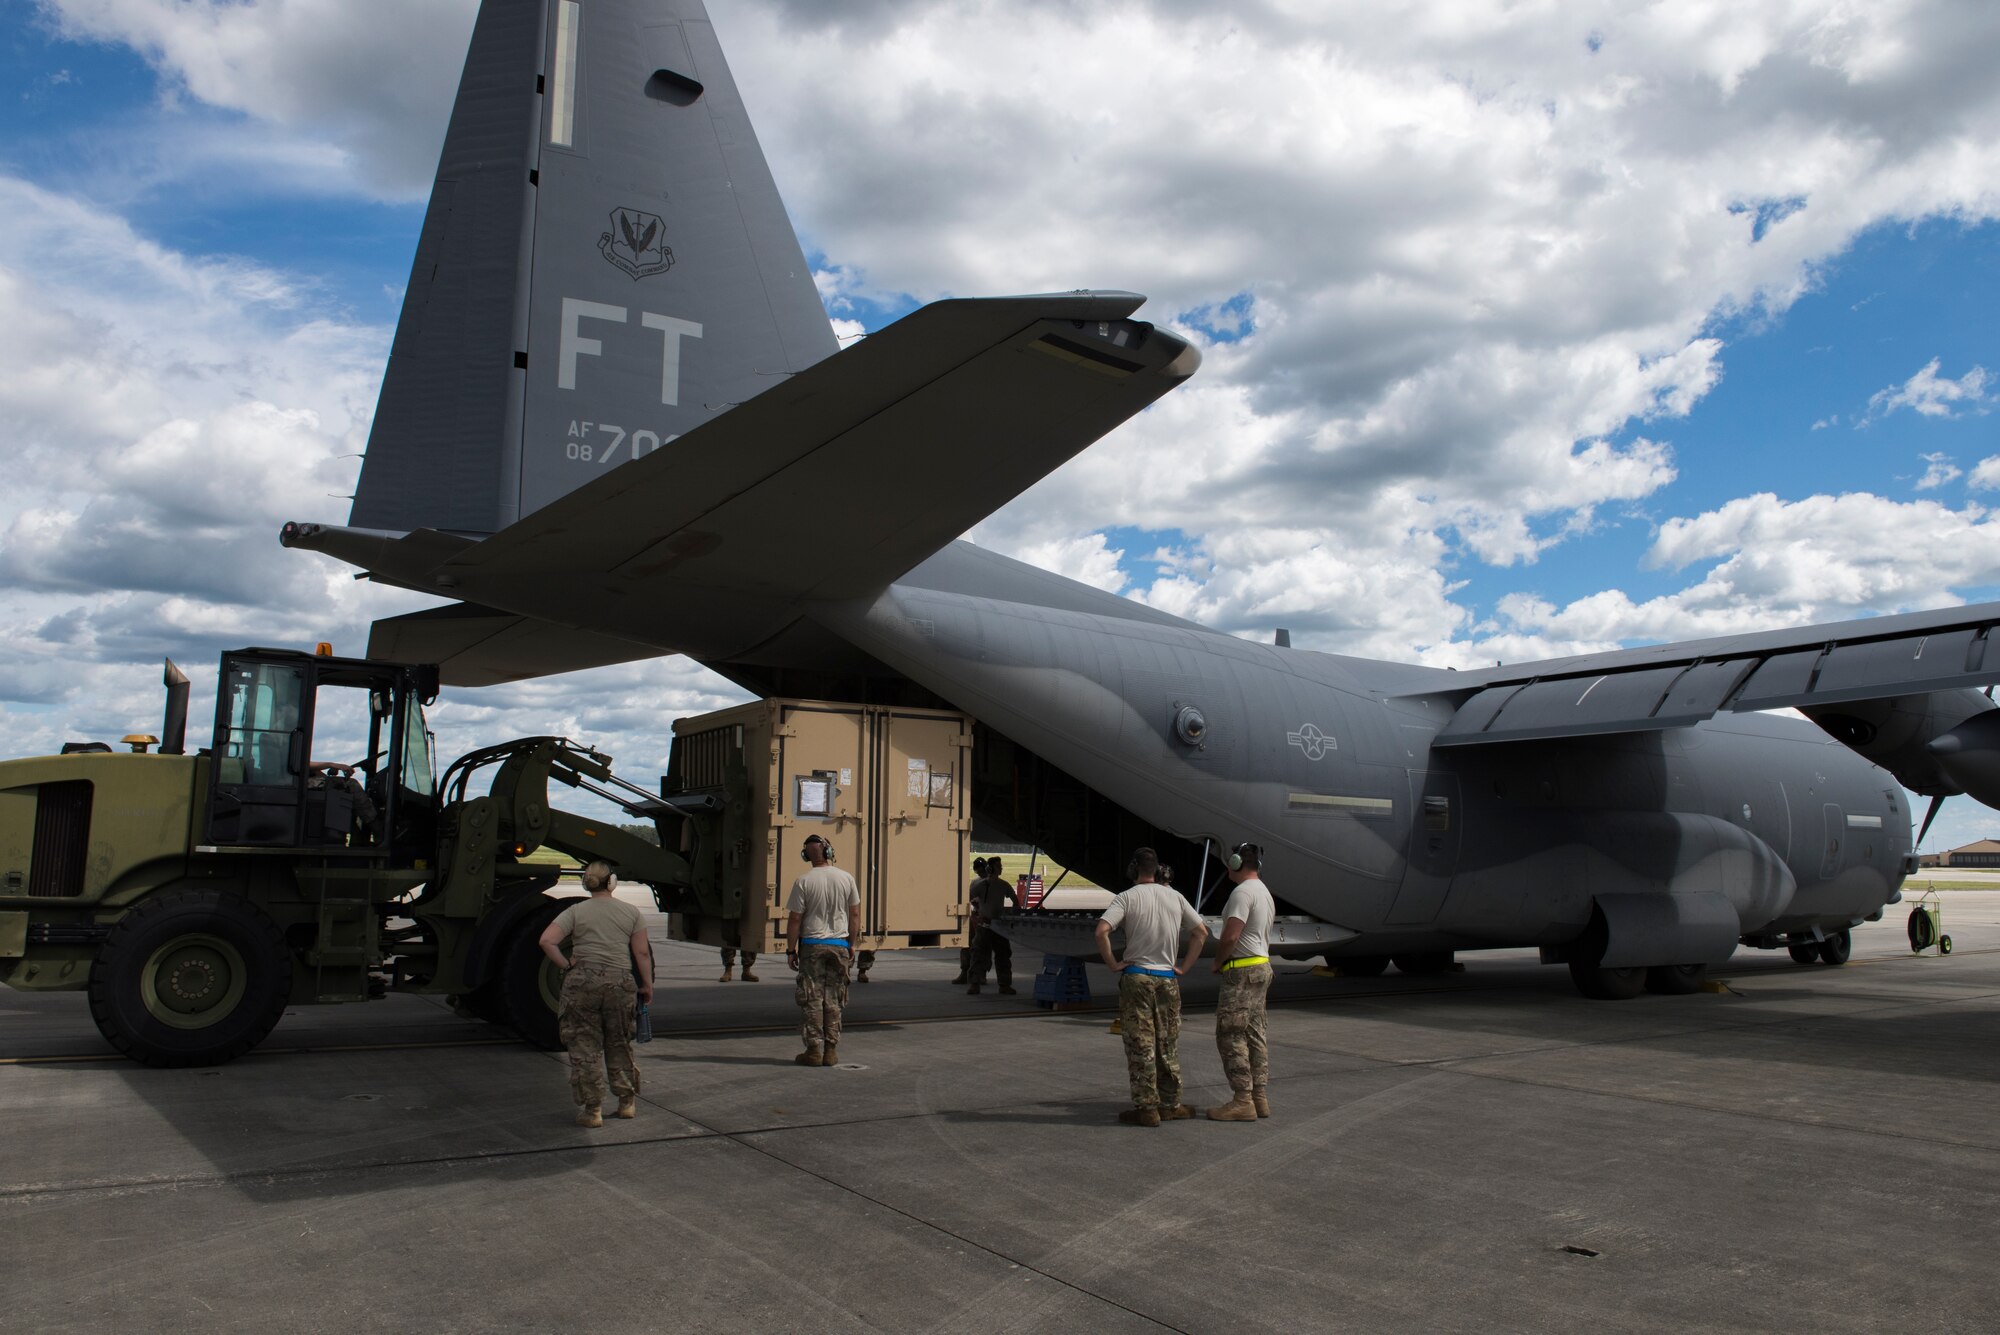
{"x": 636, "y": 243}
{"x": 1312, "y": 741}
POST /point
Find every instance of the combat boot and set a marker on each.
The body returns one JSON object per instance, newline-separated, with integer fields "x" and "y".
{"x": 748, "y": 977}
{"x": 961, "y": 980}
{"x": 589, "y": 1115}
{"x": 1238, "y": 1109}
{"x": 1140, "y": 1117}
{"x": 1006, "y": 989}
{"x": 832, "y": 1057}
{"x": 810, "y": 1057}
{"x": 628, "y": 1107}
{"x": 728, "y": 972}
{"x": 1180, "y": 1112}
{"x": 972, "y": 991}
{"x": 1262, "y": 1103}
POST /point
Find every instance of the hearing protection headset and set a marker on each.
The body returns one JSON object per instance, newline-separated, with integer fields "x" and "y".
{"x": 1241, "y": 853}
{"x": 822, "y": 841}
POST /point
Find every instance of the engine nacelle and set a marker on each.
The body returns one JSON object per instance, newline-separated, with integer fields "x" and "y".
{"x": 1902, "y": 733}
{"x": 1969, "y": 755}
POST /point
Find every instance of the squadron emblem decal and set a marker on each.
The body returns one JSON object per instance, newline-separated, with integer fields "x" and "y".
{"x": 636, "y": 243}
{"x": 1313, "y": 742}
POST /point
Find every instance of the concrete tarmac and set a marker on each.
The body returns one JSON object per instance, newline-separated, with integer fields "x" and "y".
{"x": 1813, "y": 1149}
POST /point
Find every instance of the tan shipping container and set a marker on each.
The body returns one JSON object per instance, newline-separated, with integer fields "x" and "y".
{"x": 885, "y": 785}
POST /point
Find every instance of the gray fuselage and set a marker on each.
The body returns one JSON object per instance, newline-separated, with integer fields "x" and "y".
{"x": 1327, "y": 762}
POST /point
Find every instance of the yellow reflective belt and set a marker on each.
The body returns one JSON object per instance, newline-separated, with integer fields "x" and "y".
{"x": 1246, "y": 962}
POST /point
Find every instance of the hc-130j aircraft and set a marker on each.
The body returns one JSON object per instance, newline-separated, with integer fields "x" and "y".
{"x": 615, "y": 423}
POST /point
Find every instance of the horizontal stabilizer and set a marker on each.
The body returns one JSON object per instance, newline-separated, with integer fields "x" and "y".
{"x": 478, "y": 646}
{"x": 1674, "y": 685}
{"x": 827, "y": 486}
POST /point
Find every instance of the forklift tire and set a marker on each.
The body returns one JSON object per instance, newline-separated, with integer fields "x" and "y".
{"x": 190, "y": 978}
{"x": 530, "y": 987}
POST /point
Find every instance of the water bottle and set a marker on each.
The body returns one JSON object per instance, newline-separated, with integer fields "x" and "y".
{"x": 642, "y": 1024}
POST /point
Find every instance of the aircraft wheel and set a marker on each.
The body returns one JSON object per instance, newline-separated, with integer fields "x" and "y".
{"x": 1836, "y": 948}
{"x": 190, "y": 978}
{"x": 1675, "y": 980}
{"x": 1602, "y": 984}
{"x": 1436, "y": 961}
{"x": 1804, "y": 952}
{"x": 1944, "y": 944}
{"x": 529, "y": 983}
{"x": 1359, "y": 966}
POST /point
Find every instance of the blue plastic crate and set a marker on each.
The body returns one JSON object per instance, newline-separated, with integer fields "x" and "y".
{"x": 1062, "y": 981}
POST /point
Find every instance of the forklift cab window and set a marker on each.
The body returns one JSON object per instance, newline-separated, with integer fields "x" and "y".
{"x": 262, "y": 743}
{"x": 419, "y": 767}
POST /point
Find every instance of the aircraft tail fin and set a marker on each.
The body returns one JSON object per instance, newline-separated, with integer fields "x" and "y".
{"x": 605, "y": 265}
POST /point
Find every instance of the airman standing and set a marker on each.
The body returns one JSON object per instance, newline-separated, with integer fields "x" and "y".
{"x": 732, "y": 941}
{"x": 607, "y": 942}
{"x": 990, "y": 896}
{"x": 824, "y": 907}
{"x": 1149, "y": 991}
{"x": 1241, "y": 957}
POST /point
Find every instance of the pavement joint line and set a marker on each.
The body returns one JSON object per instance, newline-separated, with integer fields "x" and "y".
{"x": 716, "y": 1031}
{"x": 1029, "y": 1266}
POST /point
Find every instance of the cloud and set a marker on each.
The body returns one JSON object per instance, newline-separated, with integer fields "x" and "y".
{"x": 1931, "y": 395}
{"x": 1938, "y": 470}
{"x": 1778, "y": 563}
{"x": 353, "y": 91}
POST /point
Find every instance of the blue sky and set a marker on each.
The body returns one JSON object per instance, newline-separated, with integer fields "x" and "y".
{"x": 1517, "y": 344}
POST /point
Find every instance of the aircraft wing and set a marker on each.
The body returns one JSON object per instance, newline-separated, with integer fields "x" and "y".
{"x": 1674, "y": 685}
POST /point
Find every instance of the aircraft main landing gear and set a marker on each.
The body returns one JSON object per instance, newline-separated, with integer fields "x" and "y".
{"x": 1835, "y": 949}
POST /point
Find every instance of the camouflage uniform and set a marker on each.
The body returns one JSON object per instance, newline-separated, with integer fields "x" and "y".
{"x": 1239, "y": 1027}
{"x": 1149, "y": 1016}
{"x": 822, "y": 992}
{"x": 732, "y": 941}
{"x": 596, "y": 1026}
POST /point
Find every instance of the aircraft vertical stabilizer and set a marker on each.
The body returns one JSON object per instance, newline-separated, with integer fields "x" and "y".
{"x": 602, "y": 214}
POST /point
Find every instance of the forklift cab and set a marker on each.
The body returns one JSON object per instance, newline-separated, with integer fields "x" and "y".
{"x": 324, "y": 754}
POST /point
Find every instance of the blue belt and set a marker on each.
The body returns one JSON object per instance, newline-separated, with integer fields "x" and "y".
{"x": 1149, "y": 972}
{"x": 840, "y": 941}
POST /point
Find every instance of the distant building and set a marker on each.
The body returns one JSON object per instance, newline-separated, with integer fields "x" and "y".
{"x": 1984, "y": 853}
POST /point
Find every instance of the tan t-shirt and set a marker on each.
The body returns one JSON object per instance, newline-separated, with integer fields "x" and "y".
{"x": 600, "y": 931}
{"x": 990, "y": 897}
{"x": 1154, "y": 916}
{"x": 1251, "y": 901}
{"x": 822, "y": 897}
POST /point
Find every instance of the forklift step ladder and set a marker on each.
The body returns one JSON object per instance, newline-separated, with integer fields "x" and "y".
{"x": 1927, "y": 924}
